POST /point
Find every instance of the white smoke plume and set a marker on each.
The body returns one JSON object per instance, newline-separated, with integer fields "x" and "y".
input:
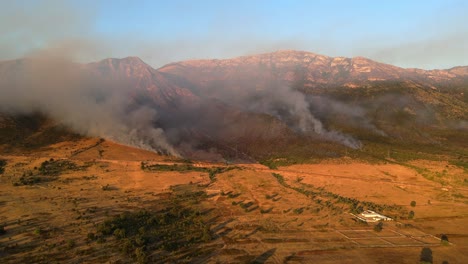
{"x": 289, "y": 106}
{"x": 64, "y": 91}
{"x": 354, "y": 114}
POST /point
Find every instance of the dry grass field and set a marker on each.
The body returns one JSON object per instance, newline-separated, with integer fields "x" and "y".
{"x": 79, "y": 202}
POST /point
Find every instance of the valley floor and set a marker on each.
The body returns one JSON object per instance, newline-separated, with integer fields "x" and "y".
{"x": 293, "y": 214}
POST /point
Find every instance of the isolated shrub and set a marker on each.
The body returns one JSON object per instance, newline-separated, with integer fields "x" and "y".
{"x": 411, "y": 215}
{"x": 2, "y": 165}
{"x": 91, "y": 236}
{"x": 426, "y": 256}
{"x": 413, "y": 203}
{"x": 37, "y": 231}
{"x": 378, "y": 227}
{"x": 298, "y": 210}
{"x": 233, "y": 195}
{"x": 250, "y": 209}
{"x": 71, "y": 244}
{"x": 246, "y": 205}
{"x": 444, "y": 240}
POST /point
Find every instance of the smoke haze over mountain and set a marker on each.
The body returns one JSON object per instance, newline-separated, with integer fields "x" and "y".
{"x": 161, "y": 109}
{"x": 87, "y": 104}
{"x": 286, "y": 104}
{"x": 213, "y": 107}
{"x": 91, "y": 104}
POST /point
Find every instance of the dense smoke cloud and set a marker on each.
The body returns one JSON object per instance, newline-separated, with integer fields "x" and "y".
{"x": 355, "y": 115}
{"x": 171, "y": 114}
{"x": 289, "y": 106}
{"x": 89, "y": 105}
{"x": 53, "y": 35}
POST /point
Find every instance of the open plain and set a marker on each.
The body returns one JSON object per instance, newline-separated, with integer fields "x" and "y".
{"x": 251, "y": 213}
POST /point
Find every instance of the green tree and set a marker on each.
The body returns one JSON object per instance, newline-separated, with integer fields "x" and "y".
{"x": 444, "y": 240}
{"x": 411, "y": 215}
{"x": 413, "y": 203}
{"x": 444, "y": 237}
{"x": 378, "y": 227}
{"x": 426, "y": 256}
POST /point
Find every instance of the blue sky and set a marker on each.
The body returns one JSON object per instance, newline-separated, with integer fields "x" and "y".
{"x": 413, "y": 33}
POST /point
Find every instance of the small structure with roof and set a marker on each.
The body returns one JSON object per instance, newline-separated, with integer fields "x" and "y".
{"x": 371, "y": 216}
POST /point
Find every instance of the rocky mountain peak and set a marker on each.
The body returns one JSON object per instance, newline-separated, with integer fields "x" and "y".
{"x": 129, "y": 67}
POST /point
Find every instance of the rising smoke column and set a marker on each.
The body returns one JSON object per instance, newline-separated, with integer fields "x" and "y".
{"x": 355, "y": 115}
{"x": 87, "y": 104}
{"x": 286, "y": 104}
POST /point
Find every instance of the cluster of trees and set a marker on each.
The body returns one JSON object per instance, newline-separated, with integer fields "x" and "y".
{"x": 48, "y": 171}
{"x": 56, "y": 167}
{"x": 137, "y": 234}
{"x": 230, "y": 194}
{"x": 248, "y": 207}
{"x": 426, "y": 253}
{"x": 30, "y": 178}
{"x": 426, "y": 256}
{"x": 356, "y": 206}
{"x": 212, "y": 171}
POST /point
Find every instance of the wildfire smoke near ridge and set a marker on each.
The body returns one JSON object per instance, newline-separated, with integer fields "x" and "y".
{"x": 233, "y": 132}
{"x": 204, "y": 106}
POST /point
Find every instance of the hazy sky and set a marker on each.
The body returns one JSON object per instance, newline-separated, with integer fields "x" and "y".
{"x": 412, "y": 33}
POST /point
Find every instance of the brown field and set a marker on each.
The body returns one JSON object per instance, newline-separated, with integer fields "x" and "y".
{"x": 253, "y": 216}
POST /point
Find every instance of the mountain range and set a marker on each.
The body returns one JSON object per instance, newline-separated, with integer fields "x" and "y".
{"x": 246, "y": 108}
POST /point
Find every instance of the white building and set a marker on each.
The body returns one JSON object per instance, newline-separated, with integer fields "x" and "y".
{"x": 371, "y": 216}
